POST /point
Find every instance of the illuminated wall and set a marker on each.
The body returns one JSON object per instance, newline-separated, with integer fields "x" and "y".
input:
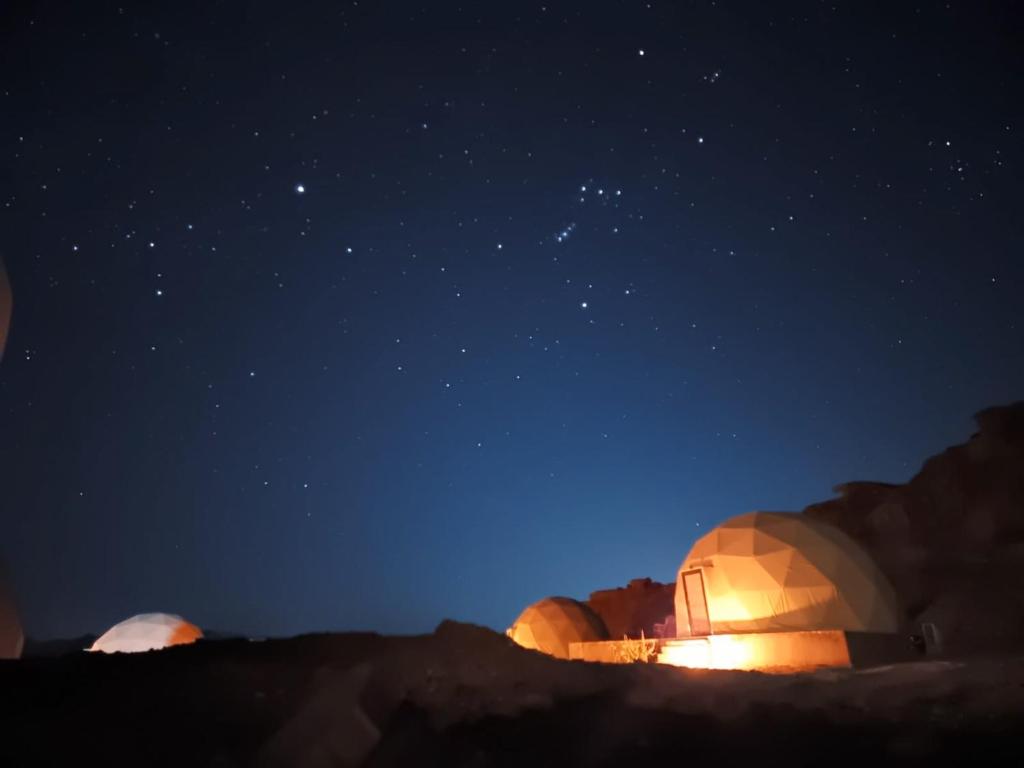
{"x": 765, "y": 651}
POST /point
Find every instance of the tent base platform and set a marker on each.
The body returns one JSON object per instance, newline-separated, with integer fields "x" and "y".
{"x": 800, "y": 651}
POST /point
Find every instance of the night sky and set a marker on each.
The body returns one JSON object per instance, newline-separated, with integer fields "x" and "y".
{"x": 364, "y": 315}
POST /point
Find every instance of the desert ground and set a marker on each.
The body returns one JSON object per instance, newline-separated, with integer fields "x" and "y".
{"x": 467, "y": 696}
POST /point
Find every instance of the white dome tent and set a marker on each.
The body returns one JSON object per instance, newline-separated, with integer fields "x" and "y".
{"x": 147, "y": 632}
{"x": 551, "y": 625}
{"x": 778, "y": 571}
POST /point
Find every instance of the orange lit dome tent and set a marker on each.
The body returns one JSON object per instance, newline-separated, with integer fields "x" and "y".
{"x": 147, "y": 632}
{"x": 775, "y": 571}
{"x": 549, "y": 625}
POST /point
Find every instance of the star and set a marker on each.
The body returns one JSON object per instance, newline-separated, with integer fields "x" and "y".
{"x": 300, "y": 189}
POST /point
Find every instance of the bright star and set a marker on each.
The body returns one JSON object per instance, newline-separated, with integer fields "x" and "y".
{"x": 300, "y": 189}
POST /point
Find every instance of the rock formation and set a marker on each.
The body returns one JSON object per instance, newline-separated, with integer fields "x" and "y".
{"x": 951, "y": 539}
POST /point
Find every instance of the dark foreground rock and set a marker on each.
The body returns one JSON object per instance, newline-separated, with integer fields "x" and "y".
{"x": 466, "y": 696}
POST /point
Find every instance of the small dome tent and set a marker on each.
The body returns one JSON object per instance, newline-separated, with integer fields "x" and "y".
{"x": 549, "y": 625}
{"x": 147, "y": 632}
{"x": 775, "y": 571}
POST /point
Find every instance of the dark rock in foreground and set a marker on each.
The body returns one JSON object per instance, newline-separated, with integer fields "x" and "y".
{"x": 466, "y": 696}
{"x": 49, "y": 649}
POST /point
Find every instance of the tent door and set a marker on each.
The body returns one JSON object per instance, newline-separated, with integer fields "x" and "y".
{"x": 696, "y": 603}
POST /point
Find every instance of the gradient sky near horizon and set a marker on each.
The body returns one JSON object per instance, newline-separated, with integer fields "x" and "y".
{"x": 364, "y": 315}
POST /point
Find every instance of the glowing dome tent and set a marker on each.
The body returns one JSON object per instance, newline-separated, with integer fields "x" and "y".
{"x": 147, "y": 632}
{"x": 551, "y": 624}
{"x": 775, "y": 572}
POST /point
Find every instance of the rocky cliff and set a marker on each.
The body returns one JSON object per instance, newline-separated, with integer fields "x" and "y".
{"x": 952, "y": 538}
{"x": 639, "y": 607}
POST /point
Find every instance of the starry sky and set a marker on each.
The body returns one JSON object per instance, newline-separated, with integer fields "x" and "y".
{"x": 360, "y": 315}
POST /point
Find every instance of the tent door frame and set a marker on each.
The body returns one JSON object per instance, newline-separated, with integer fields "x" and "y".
{"x": 696, "y": 631}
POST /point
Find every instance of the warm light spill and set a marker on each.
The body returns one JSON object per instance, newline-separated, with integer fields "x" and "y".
{"x": 763, "y": 651}
{"x": 713, "y": 652}
{"x": 686, "y": 653}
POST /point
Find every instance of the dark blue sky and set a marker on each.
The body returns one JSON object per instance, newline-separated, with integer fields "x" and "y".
{"x": 791, "y": 258}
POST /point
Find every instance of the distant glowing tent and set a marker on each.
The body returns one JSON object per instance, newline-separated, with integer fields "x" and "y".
{"x": 5, "y": 307}
{"x": 552, "y": 623}
{"x": 773, "y": 571}
{"x": 12, "y": 639}
{"x": 147, "y": 632}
